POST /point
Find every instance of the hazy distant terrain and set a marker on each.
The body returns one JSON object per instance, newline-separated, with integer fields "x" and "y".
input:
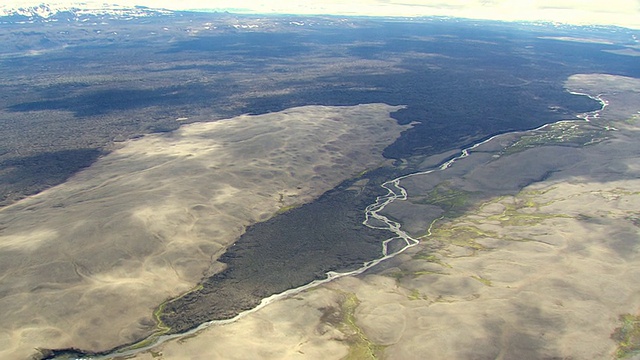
{"x": 184, "y": 198}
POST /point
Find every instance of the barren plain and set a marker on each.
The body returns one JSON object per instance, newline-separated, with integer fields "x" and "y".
{"x": 84, "y": 264}
{"x": 532, "y": 253}
{"x": 136, "y": 201}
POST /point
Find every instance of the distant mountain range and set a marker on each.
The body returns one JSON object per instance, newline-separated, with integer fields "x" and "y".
{"x": 75, "y": 12}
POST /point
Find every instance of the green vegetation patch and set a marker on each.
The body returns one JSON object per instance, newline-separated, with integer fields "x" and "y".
{"x": 285, "y": 209}
{"x": 451, "y": 200}
{"x": 512, "y": 216}
{"x": 430, "y": 257}
{"x": 627, "y": 336}
{"x": 465, "y": 236}
{"x": 161, "y": 327}
{"x": 562, "y": 133}
{"x": 417, "y": 295}
{"x": 485, "y": 281}
{"x": 634, "y": 119}
{"x": 399, "y": 275}
{"x": 623, "y": 192}
{"x": 360, "y": 347}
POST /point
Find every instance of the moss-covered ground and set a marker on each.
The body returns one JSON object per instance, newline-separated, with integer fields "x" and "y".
{"x": 451, "y": 200}
{"x": 360, "y": 346}
{"x": 627, "y": 336}
{"x": 568, "y": 133}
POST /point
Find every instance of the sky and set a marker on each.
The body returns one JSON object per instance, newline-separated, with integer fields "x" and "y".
{"x": 605, "y": 12}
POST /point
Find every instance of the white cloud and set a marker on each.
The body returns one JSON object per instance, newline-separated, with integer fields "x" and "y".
{"x": 612, "y": 12}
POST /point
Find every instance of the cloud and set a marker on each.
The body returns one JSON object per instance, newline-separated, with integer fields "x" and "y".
{"x": 614, "y": 12}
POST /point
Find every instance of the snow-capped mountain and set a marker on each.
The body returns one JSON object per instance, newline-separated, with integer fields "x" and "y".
{"x": 75, "y": 11}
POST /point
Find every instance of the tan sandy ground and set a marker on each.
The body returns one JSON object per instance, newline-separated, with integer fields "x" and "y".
{"x": 85, "y": 263}
{"x": 543, "y": 272}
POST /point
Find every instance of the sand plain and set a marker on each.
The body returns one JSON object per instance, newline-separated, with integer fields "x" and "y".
{"x": 540, "y": 263}
{"x": 84, "y": 264}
